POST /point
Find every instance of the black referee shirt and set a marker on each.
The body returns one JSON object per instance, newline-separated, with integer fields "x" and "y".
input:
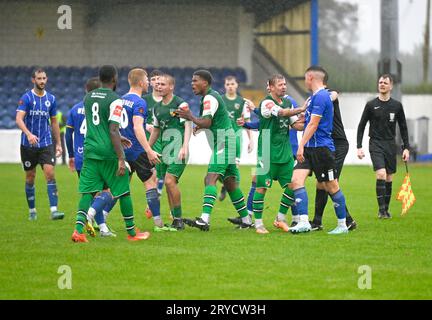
{"x": 382, "y": 117}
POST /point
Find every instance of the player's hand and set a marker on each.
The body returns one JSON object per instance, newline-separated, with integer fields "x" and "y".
{"x": 405, "y": 155}
{"x": 301, "y": 118}
{"x": 183, "y": 153}
{"x": 72, "y": 164}
{"x": 195, "y": 130}
{"x": 126, "y": 143}
{"x": 121, "y": 170}
{"x": 59, "y": 150}
{"x": 184, "y": 113}
{"x": 250, "y": 145}
{"x": 360, "y": 153}
{"x": 300, "y": 154}
{"x": 305, "y": 105}
{"x": 149, "y": 128}
{"x": 249, "y": 104}
{"x": 240, "y": 121}
{"x": 153, "y": 157}
{"x": 32, "y": 139}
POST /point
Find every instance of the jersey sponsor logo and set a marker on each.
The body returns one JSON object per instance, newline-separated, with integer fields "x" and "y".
{"x": 269, "y": 105}
{"x": 118, "y": 111}
{"x": 40, "y": 113}
{"x": 283, "y": 123}
{"x": 207, "y": 105}
{"x": 231, "y": 114}
{"x": 392, "y": 117}
{"x": 47, "y": 103}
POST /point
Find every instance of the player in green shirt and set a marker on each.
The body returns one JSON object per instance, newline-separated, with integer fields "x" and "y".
{"x": 152, "y": 99}
{"x": 104, "y": 158}
{"x": 275, "y": 158}
{"x": 175, "y": 133}
{"x": 213, "y": 116}
{"x": 237, "y": 107}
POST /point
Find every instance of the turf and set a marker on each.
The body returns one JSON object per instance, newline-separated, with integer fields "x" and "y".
{"x": 224, "y": 263}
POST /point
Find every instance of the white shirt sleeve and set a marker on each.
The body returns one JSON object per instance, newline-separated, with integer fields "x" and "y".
{"x": 183, "y": 105}
{"x": 266, "y": 108}
{"x": 246, "y": 112}
{"x": 210, "y": 105}
{"x": 116, "y": 108}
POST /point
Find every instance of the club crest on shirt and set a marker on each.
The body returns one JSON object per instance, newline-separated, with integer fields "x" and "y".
{"x": 47, "y": 103}
{"x": 392, "y": 117}
{"x": 237, "y": 106}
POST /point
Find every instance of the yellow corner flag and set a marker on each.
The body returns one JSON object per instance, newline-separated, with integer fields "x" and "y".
{"x": 406, "y": 195}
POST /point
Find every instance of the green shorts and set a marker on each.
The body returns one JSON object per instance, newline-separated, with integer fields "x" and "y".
{"x": 175, "y": 169}
{"x": 223, "y": 163}
{"x": 281, "y": 172}
{"x": 239, "y": 142}
{"x": 97, "y": 173}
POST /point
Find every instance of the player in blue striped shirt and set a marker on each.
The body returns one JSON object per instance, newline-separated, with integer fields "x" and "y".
{"x": 36, "y": 109}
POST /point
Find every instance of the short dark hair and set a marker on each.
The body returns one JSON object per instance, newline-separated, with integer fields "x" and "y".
{"x": 37, "y": 70}
{"x": 92, "y": 84}
{"x": 107, "y": 73}
{"x": 386, "y": 76}
{"x": 155, "y": 73}
{"x": 272, "y": 80}
{"x": 317, "y": 69}
{"x": 205, "y": 75}
{"x": 230, "y": 78}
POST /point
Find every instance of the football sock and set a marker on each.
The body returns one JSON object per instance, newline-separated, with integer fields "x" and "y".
{"x": 258, "y": 205}
{"x": 176, "y": 212}
{"x": 237, "y": 200}
{"x": 380, "y": 193}
{"x": 250, "y": 197}
{"x": 286, "y": 201}
{"x": 210, "y": 194}
{"x": 295, "y": 214}
{"x": 388, "y": 194}
{"x": 109, "y": 206}
{"x": 301, "y": 200}
{"x": 339, "y": 204}
{"x": 83, "y": 206}
{"x": 30, "y": 196}
{"x": 153, "y": 201}
{"x": 99, "y": 202}
{"x": 52, "y": 194}
{"x": 126, "y": 210}
{"x": 321, "y": 197}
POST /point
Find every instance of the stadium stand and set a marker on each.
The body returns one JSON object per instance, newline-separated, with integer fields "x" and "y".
{"x": 67, "y": 84}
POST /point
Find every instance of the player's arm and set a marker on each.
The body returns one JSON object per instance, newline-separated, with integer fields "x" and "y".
{"x": 56, "y": 133}
{"x": 360, "y": 131}
{"x": 308, "y": 133}
{"x": 246, "y": 115}
{"x": 69, "y": 146}
{"x": 404, "y": 133}
{"x": 210, "y": 104}
{"x": 138, "y": 125}
{"x": 114, "y": 120}
{"x": 184, "y": 151}
{"x": 20, "y": 115}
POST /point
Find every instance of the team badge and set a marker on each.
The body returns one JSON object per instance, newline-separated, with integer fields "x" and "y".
{"x": 392, "y": 117}
{"x": 237, "y": 106}
{"x": 47, "y": 103}
{"x": 80, "y": 149}
{"x": 27, "y": 164}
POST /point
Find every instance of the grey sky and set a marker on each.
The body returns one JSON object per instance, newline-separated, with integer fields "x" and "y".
{"x": 412, "y": 15}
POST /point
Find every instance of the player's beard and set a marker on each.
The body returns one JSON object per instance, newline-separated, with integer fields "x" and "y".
{"x": 41, "y": 88}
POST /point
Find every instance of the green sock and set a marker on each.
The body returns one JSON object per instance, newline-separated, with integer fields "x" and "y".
{"x": 237, "y": 199}
{"x": 126, "y": 210}
{"x": 210, "y": 194}
{"x": 258, "y": 205}
{"x": 83, "y": 206}
{"x": 286, "y": 201}
{"x": 176, "y": 212}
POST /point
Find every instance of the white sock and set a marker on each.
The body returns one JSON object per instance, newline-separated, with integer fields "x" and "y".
{"x": 281, "y": 217}
{"x": 105, "y": 214}
{"x": 258, "y": 223}
{"x": 205, "y": 217}
{"x": 103, "y": 227}
{"x": 247, "y": 219}
{"x": 53, "y": 209}
{"x": 296, "y": 218}
{"x": 91, "y": 213}
{"x": 304, "y": 218}
{"x": 250, "y": 213}
{"x": 33, "y": 210}
{"x": 158, "y": 221}
{"x": 342, "y": 223}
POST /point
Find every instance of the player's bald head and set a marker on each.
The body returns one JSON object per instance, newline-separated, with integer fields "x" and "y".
{"x": 170, "y": 79}
{"x": 92, "y": 84}
{"x": 135, "y": 76}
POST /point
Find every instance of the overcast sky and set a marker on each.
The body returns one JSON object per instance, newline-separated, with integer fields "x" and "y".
{"x": 412, "y": 15}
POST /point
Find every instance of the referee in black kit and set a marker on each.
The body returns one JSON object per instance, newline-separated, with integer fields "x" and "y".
{"x": 382, "y": 113}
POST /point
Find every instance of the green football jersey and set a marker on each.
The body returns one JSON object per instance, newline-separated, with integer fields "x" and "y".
{"x": 101, "y": 106}
{"x": 274, "y": 130}
{"x": 151, "y": 102}
{"x": 165, "y": 119}
{"x": 212, "y": 106}
{"x": 236, "y": 108}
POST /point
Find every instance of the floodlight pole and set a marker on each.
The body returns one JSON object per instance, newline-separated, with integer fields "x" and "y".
{"x": 389, "y": 62}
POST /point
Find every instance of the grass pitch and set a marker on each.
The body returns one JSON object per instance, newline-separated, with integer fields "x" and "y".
{"x": 224, "y": 263}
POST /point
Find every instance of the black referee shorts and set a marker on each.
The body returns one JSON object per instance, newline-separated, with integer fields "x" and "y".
{"x": 321, "y": 161}
{"x": 31, "y": 157}
{"x": 383, "y": 154}
{"x": 142, "y": 167}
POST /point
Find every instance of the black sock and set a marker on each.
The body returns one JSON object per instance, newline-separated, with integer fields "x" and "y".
{"x": 321, "y": 198}
{"x": 380, "y": 193}
{"x": 388, "y": 194}
{"x": 349, "y": 219}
